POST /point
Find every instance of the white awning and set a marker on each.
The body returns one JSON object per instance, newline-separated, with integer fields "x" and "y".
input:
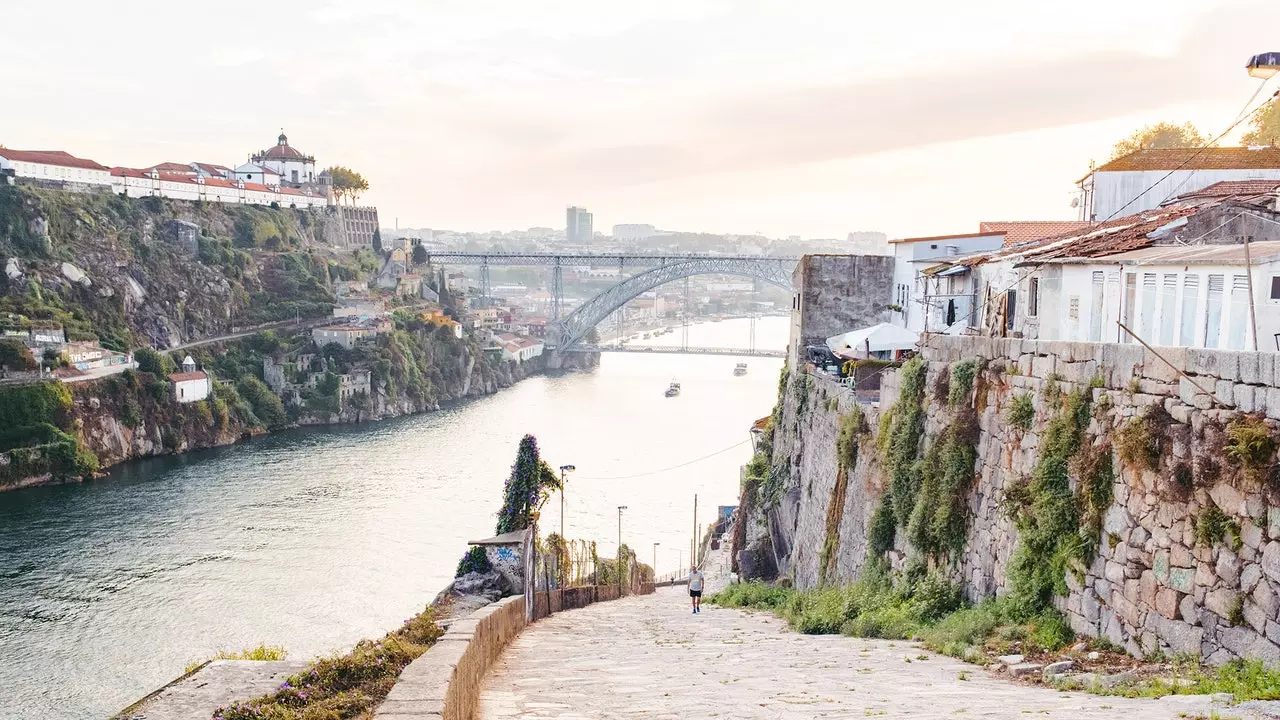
{"x": 877, "y": 338}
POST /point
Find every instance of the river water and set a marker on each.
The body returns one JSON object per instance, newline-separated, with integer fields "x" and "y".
{"x": 313, "y": 539}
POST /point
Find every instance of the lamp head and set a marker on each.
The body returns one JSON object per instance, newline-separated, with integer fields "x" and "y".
{"x": 567, "y": 468}
{"x": 1265, "y": 65}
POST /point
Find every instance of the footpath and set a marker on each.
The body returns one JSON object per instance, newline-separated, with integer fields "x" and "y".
{"x": 649, "y": 656}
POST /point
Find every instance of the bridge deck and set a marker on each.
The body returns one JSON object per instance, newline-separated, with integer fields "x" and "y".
{"x": 674, "y": 350}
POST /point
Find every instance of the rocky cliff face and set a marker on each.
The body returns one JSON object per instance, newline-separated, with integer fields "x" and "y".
{"x": 1143, "y": 504}
{"x": 161, "y": 273}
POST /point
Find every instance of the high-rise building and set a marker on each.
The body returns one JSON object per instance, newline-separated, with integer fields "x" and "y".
{"x": 578, "y": 230}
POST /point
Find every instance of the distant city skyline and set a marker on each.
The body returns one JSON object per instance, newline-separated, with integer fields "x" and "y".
{"x": 813, "y": 118}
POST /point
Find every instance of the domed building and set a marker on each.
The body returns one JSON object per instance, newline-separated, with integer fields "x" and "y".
{"x": 295, "y": 167}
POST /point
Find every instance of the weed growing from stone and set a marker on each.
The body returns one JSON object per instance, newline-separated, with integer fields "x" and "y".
{"x": 1214, "y": 526}
{"x": 1250, "y": 445}
{"x": 1022, "y": 411}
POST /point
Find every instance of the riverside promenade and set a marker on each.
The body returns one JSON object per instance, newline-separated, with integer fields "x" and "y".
{"x": 650, "y": 657}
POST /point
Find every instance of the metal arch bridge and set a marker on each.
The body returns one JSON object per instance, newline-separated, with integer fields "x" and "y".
{"x": 660, "y": 270}
{"x": 673, "y": 350}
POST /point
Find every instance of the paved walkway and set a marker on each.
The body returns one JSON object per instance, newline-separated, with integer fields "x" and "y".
{"x": 649, "y": 657}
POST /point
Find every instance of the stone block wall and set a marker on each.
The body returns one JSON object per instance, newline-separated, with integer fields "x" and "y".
{"x": 836, "y": 294}
{"x": 1152, "y": 585}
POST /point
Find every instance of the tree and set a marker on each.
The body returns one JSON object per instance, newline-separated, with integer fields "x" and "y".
{"x": 158, "y": 364}
{"x": 377, "y": 241}
{"x": 419, "y": 254}
{"x": 15, "y": 356}
{"x": 529, "y": 486}
{"x": 1265, "y": 127}
{"x": 347, "y": 183}
{"x": 265, "y": 403}
{"x": 1160, "y": 135}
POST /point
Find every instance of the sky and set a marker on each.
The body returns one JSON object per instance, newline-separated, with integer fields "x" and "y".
{"x": 783, "y": 117}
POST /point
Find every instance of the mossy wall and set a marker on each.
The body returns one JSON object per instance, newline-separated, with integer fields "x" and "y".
{"x": 1089, "y": 477}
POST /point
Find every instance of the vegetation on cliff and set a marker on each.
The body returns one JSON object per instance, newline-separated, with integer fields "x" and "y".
{"x": 250, "y": 265}
{"x": 36, "y": 435}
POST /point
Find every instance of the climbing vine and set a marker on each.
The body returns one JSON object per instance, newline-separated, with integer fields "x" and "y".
{"x": 1047, "y": 514}
{"x": 530, "y": 484}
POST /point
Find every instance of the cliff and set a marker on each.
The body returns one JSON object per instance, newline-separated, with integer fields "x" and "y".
{"x": 1092, "y": 478}
{"x": 160, "y": 273}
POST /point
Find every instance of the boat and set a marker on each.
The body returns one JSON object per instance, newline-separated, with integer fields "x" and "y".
{"x": 673, "y": 389}
{"x": 740, "y": 369}
{"x": 646, "y": 336}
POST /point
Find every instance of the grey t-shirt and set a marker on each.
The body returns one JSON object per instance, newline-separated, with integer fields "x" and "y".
{"x": 695, "y": 580}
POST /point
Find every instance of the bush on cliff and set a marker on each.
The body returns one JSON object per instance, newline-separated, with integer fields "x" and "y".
{"x": 474, "y": 560}
{"x": 265, "y": 403}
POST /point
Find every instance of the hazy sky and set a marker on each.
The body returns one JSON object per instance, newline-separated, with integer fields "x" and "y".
{"x": 784, "y": 117}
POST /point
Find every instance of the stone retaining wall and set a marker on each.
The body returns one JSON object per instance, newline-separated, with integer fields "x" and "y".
{"x": 445, "y": 682}
{"x": 1152, "y": 586}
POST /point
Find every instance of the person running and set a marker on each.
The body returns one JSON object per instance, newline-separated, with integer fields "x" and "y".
{"x": 695, "y": 588}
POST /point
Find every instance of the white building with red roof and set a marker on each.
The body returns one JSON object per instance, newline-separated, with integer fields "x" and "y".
{"x": 190, "y": 385}
{"x": 292, "y": 165}
{"x": 53, "y": 165}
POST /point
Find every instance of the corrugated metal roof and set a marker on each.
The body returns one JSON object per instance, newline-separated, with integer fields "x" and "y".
{"x": 1259, "y": 252}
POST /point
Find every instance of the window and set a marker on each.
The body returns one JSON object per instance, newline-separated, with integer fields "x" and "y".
{"x": 1275, "y": 287}
{"x": 1168, "y": 308}
{"x": 1147, "y": 313}
{"x": 1096, "y": 310}
{"x": 1213, "y": 312}
{"x": 1238, "y": 314}
{"x": 1130, "y": 299}
{"x": 1033, "y": 297}
{"x": 1010, "y": 308}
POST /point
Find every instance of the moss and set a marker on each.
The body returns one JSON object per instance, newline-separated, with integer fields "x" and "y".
{"x": 882, "y": 531}
{"x": 1214, "y": 526}
{"x": 903, "y": 444}
{"x": 1094, "y": 493}
{"x": 1250, "y": 446}
{"x": 852, "y": 428}
{"x": 1140, "y": 442}
{"x": 1022, "y": 411}
{"x": 831, "y": 539}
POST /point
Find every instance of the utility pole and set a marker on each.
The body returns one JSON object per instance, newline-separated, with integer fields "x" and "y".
{"x": 655, "y": 561}
{"x": 619, "y": 566}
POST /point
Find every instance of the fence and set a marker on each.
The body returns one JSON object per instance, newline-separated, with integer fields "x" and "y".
{"x": 568, "y": 575}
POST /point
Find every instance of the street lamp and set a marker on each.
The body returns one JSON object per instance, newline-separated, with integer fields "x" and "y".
{"x": 655, "y": 561}
{"x": 619, "y": 565}
{"x": 1265, "y": 65}
{"x": 563, "y": 469}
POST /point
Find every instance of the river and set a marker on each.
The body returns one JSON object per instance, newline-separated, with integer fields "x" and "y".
{"x": 313, "y": 539}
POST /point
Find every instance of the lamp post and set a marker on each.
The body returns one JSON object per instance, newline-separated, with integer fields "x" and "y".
{"x": 655, "y": 561}
{"x": 563, "y": 469}
{"x": 619, "y": 564}
{"x": 1264, "y": 66}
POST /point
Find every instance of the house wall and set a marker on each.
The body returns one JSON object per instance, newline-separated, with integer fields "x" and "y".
{"x": 40, "y": 171}
{"x": 1113, "y": 190}
{"x": 189, "y": 391}
{"x": 909, "y": 258}
{"x": 1167, "y": 305}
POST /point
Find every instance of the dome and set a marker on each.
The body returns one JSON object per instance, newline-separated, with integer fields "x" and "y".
{"x": 283, "y": 151}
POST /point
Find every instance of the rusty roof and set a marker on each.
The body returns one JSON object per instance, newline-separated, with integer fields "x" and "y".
{"x": 1236, "y": 188}
{"x": 50, "y": 157}
{"x": 1214, "y": 158}
{"x": 188, "y": 376}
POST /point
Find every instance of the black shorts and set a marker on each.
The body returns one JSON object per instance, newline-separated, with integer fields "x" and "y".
{"x": 695, "y": 593}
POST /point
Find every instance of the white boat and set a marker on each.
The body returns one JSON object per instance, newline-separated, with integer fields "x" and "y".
{"x": 673, "y": 389}
{"x": 740, "y": 369}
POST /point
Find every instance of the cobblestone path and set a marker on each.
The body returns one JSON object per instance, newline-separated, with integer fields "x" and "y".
{"x": 649, "y": 657}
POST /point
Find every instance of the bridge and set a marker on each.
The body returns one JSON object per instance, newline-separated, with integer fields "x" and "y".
{"x": 568, "y": 331}
{"x": 673, "y": 350}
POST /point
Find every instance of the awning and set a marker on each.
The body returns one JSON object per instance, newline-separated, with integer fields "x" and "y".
{"x": 877, "y": 338}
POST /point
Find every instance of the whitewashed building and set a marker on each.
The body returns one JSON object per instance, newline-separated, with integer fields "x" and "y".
{"x": 255, "y": 173}
{"x": 53, "y": 165}
{"x": 1146, "y": 179}
{"x": 190, "y": 385}
{"x": 930, "y": 302}
{"x": 288, "y": 162}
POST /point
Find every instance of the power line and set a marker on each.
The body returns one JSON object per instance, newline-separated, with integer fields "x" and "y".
{"x": 673, "y": 467}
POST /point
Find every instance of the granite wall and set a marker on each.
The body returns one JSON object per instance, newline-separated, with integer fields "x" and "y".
{"x": 1152, "y": 585}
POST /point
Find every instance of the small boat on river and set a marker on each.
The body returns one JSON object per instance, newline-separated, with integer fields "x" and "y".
{"x": 673, "y": 389}
{"x": 740, "y": 369}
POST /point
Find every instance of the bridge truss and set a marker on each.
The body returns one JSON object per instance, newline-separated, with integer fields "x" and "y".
{"x": 657, "y": 269}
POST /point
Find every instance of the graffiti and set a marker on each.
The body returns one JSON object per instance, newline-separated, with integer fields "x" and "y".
{"x": 506, "y": 554}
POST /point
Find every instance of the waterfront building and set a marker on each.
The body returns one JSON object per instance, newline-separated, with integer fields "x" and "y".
{"x": 190, "y": 385}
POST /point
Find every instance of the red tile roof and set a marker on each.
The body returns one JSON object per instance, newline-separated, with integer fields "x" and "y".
{"x": 129, "y": 172}
{"x": 1235, "y": 188}
{"x": 956, "y": 236}
{"x": 186, "y": 377}
{"x": 212, "y": 169}
{"x": 1218, "y": 158}
{"x": 50, "y": 157}
{"x": 171, "y": 167}
{"x": 1020, "y": 231}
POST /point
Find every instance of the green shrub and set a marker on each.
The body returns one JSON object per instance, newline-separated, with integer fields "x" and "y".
{"x": 1214, "y": 526}
{"x": 474, "y": 560}
{"x": 962, "y": 375}
{"x": 156, "y": 363}
{"x": 1250, "y": 445}
{"x": 1022, "y": 411}
{"x": 265, "y": 403}
{"x": 754, "y": 594}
